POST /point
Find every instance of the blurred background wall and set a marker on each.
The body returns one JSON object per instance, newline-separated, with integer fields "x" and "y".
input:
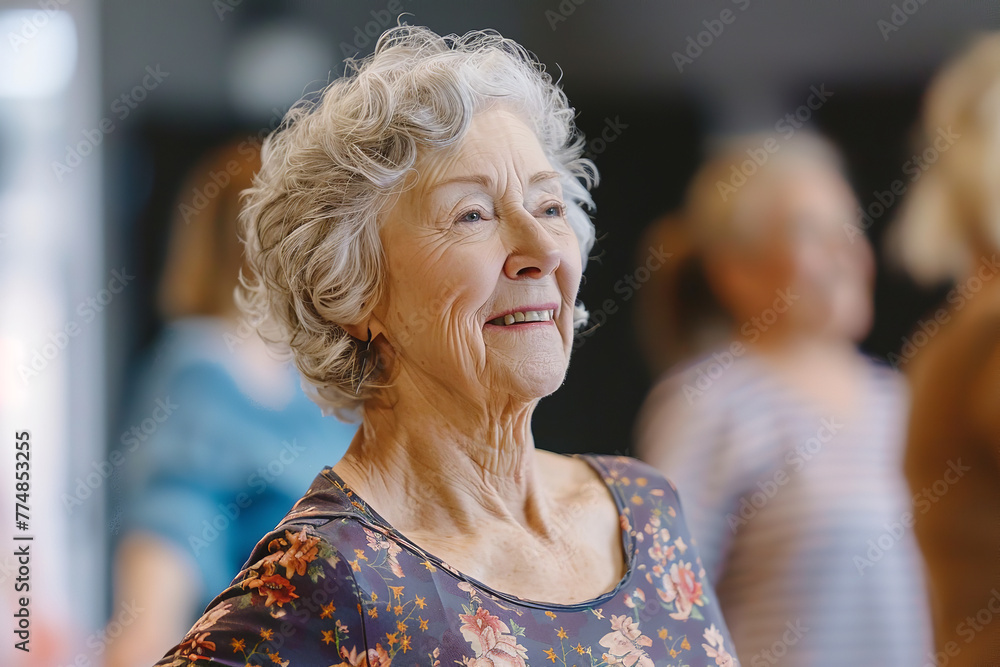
{"x": 105, "y": 106}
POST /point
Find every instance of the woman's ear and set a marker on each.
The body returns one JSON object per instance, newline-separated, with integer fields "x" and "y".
{"x": 367, "y": 329}
{"x": 358, "y": 331}
{"x": 372, "y": 333}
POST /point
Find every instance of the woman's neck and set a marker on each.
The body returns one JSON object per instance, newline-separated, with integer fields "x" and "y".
{"x": 827, "y": 371}
{"x": 432, "y": 462}
{"x": 804, "y": 346}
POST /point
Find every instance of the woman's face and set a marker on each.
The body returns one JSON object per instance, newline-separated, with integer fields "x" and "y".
{"x": 833, "y": 266}
{"x": 482, "y": 269}
{"x": 811, "y": 253}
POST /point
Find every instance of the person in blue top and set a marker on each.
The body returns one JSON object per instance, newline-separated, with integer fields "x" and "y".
{"x": 220, "y": 439}
{"x": 417, "y": 239}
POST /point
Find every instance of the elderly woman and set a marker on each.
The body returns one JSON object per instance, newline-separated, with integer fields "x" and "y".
{"x": 417, "y": 239}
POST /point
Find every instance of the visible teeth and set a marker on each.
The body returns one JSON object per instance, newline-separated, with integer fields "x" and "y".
{"x": 524, "y": 316}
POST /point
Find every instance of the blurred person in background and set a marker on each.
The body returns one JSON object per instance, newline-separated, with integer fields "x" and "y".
{"x": 221, "y": 440}
{"x": 949, "y": 228}
{"x": 785, "y": 442}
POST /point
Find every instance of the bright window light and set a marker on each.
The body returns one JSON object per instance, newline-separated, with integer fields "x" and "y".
{"x": 39, "y": 56}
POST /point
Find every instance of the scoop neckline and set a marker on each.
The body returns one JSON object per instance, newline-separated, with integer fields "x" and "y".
{"x": 628, "y": 545}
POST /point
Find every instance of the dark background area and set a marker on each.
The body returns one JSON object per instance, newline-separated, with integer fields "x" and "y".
{"x": 617, "y": 66}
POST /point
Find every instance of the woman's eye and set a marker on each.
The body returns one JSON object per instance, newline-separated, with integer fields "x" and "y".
{"x": 554, "y": 210}
{"x": 471, "y": 216}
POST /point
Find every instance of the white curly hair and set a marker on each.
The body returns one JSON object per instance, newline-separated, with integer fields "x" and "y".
{"x": 310, "y": 222}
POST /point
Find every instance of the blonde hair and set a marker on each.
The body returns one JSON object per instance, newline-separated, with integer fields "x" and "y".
{"x": 335, "y": 166}
{"x": 954, "y": 208}
{"x": 204, "y": 255}
{"x": 720, "y": 202}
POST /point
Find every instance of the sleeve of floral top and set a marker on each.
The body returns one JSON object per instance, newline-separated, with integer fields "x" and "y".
{"x": 298, "y": 586}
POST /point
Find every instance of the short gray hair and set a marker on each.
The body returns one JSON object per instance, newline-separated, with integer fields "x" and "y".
{"x": 310, "y": 222}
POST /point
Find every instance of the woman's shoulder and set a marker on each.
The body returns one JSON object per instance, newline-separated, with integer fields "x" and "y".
{"x": 628, "y": 473}
{"x": 645, "y": 495}
{"x": 297, "y": 582}
{"x": 326, "y": 524}
{"x": 331, "y": 507}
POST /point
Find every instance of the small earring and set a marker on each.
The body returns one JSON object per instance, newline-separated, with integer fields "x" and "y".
{"x": 367, "y": 359}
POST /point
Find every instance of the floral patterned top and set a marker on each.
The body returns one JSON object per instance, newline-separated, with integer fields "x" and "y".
{"x": 335, "y": 585}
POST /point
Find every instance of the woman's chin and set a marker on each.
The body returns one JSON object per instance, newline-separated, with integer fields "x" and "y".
{"x": 534, "y": 380}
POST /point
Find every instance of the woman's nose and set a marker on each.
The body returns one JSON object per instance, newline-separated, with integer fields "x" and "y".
{"x": 533, "y": 252}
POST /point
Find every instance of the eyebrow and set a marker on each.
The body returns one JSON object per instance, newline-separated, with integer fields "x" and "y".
{"x": 543, "y": 176}
{"x": 486, "y": 181}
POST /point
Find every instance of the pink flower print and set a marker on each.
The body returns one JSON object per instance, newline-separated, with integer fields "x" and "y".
{"x": 374, "y": 657}
{"x": 625, "y": 644}
{"x": 681, "y": 586}
{"x": 377, "y": 542}
{"x": 715, "y": 648}
{"x": 659, "y": 553}
{"x": 490, "y": 638}
{"x": 637, "y": 594}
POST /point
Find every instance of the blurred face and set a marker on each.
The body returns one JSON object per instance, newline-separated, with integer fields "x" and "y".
{"x": 803, "y": 247}
{"x": 482, "y": 269}
{"x": 831, "y": 268}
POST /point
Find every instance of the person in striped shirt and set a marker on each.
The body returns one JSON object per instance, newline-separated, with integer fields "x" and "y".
{"x": 785, "y": 442}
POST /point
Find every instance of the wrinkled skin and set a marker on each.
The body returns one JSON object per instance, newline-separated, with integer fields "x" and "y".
{"x": 445, "y": 453}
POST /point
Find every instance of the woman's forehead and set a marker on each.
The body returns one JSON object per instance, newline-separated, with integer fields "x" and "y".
{"x": 497, "y": 146}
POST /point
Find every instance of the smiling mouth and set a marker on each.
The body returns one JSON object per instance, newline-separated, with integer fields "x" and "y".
{"x": 523, "y": 317}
